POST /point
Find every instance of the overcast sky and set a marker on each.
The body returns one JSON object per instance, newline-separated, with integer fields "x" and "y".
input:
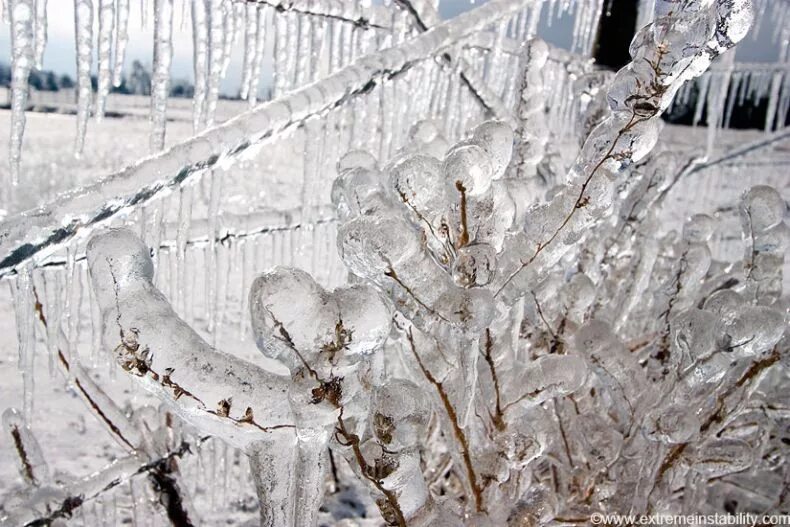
{"x": 60, "y": 54}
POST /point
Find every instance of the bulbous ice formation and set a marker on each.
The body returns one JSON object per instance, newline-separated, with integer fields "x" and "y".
{"x": 298, "y": 323}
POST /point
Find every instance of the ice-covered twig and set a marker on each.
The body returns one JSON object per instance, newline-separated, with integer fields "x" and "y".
{"x": 426, "y": 16}
{"x": 214, "y": 391}
{"x": 671, "y": 50}
{"x": 122, "y": 430}
{"x": 350, "y": 12}
{"x": 45, "y": 508}
{"x": 32, "y": 465}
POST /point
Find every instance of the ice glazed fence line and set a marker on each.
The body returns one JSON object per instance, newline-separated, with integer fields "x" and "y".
{"x": 35, "y": 234}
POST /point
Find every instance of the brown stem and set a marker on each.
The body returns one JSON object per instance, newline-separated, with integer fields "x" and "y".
{"x": 581, "y": 201}
{"x": 464, "y": 239}
{"x": 27, "y": 468}
{"x": 390, "y": 273}
{"x": 460, "y": 436}
{"x": 498, "y": 417}
{"x": 352, "y": 440}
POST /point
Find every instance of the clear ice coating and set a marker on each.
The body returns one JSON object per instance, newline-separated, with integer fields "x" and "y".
{"x": 22, "y": 20}
{"x": 106, "y": 64}
{"x": 507, "y": 351}
{"x": 160, "y": 78}
{"x": 83, "y": 28}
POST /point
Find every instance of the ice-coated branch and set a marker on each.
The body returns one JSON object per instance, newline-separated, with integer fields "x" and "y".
{"x": 39, "y": 232}
{"x": 350, "y": 12}
{"x": 426, "y": 16}
{"x": 43, "y": 509}
{"x": 139, "y": 443}
{"x": 677, "y": 46}
{"x": 32, "y": 465}
{"x": 214, "y": 391}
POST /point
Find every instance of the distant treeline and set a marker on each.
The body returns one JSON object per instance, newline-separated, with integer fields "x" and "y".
{"x": 138, "y": 82}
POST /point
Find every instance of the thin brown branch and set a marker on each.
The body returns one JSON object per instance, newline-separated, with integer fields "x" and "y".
{"x": 27, "y": 468}
{"x": 390, "y": 273}
{"x": 292, "y": 6}
{"x": 581, "y": 202}
{"x": 458, "y": 432}
{"x": 498, "y": 417}
{"x": 392, "y": 508}
{"x": 464, "y": 238}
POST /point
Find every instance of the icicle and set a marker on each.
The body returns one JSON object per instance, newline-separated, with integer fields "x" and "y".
{"x": 735, "y": 87}
{"x": 291, "y": 58}
{"x": 106, "y": 27}
{"x": 143, "y": 13}
{"x": 305, "y": 30}
{"x": 216, "y": 57}
{"x": 200, "y": 61}
{"x": 83, "y": 23}
{"x": 534, "y": 20}
{"x": 280, "y": 53}
{"x": 250, "y": 48}
{"x": 182, "y": 236}
{"x": 160, "y": 81}
{"x": 22, "y": 12}
{"x": 41, "y": 32}
{"x": 229, "y": 35}
{"x": 121, "y": 39}
{"x": 26, "y": 334}
{"x": 262, "y": 34}
{"x": 702, "y": 95}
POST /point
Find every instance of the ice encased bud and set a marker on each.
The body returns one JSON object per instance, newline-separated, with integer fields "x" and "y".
{"x": 401, "y": 413}
{"x": 357, "y": 159}
{"x": 468, "y": 166}
{"x": 721, "y": 456}
{"x": 365, "y": 317}
{"x": 763, "y": 207}
{"x": 355, "y": 191}
{"x": 538, "y": 506}
{"x": 672, "y": 426}
{"x": 292, "y": 314}
{"x": 723, "y": 303}
{"x": 373, "y": 245}
{"x": 552, "y": 376}
{"x": 699, "y": 228}
{"x": 496, "y": 138}
{"x": 288, "y": 308}
{"x": 474, "y": 265}
{"x": 418, "y": 181}
{"x": 117, "y": 257}
{"x": 470, "y": 309}
{"x": 426, "y": 137}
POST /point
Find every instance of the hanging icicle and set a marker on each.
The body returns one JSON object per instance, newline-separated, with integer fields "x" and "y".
{"x": 22, "y": 56}
{"x": 121, "y": 39}
{"x": 216, "y": 43}
{"x": 250, "y": 48}
{"x": 83, "y": 28}
{"x": 41, "y": 32}
{"x": 106, "y": 27}
{"x": 260, "y": 44}
{"x": 200, "y": 62}
{"x": 160, "y": 81}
